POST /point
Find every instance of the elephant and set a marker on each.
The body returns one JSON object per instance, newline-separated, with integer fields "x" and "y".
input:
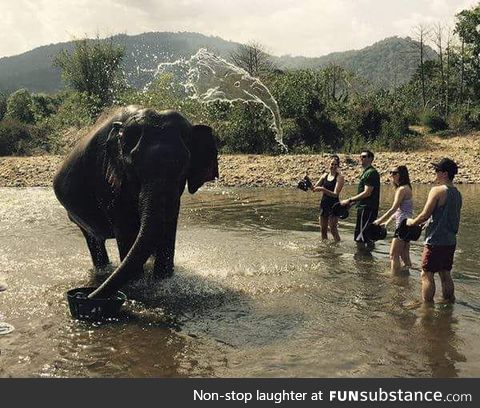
{"x": 124, "y": 180}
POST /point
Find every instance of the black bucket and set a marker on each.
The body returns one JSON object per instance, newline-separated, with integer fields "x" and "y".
{"x": 83, "y": 308}
{"x": 407, "y": 233}
{"x": 305, "y": 184}
{"x": 340, "y": 211}
{"x": 375, "y": 232}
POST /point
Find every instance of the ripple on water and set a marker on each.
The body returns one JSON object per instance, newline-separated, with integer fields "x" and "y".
{"x": 252, "y": 279}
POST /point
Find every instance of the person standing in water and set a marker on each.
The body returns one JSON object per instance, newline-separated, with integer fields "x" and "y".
{"x": 330, "y": 184}
{"x": 401, "y": 209}
{"x": 367, "y": 199}
{"x": 443, "y": 207}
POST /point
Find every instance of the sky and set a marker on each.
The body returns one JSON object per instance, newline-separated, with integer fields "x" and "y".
{"x": 296, "y": 27}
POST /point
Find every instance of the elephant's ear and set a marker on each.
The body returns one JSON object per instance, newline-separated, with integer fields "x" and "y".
{"x": 112, "y": 147}
{"x": 203, "y": 157}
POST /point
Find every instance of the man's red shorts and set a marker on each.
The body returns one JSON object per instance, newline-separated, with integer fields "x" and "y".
{"x": 437, "y": 258}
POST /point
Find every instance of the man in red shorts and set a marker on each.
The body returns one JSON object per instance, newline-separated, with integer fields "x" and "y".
{"x": 443, "y": 205}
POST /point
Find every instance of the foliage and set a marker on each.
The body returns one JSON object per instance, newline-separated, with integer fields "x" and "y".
{"x": 17, "y": 138}
{"x": 20, "y": 106}
{"x": 434, "y": 121}
{"x": 467, "y": 29}
{"x": 44, "y": 106}
{"x": 76, "y": 110}
{"x": 93, "y": 68}
{"x": 327, "y": 108}
{"x": 385, "y": 64}
{"x": 247, "y": 131}
{"x": 3, "y": 105}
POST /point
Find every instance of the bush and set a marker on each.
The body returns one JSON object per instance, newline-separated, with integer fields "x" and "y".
{"x": 370, "y": 120}
{"x": 3, "y": 105}
{"x": 465, "y": 118}
{"x": 44, "y": 106}
{"x": 17, "y": 138}
{"x": 473, "y": 117}
{"x": 396, "y": 135}
{"x": 20, "y": 106}
{"x": 434, "y": 121}
{"x": 76, "y": 110}
{"x": 247, "y": 131}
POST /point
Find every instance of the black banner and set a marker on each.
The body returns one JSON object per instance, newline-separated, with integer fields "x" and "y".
{"x": 239, "y": 392}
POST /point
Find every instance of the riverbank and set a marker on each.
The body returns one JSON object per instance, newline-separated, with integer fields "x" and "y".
{"x": 285, "y": 170}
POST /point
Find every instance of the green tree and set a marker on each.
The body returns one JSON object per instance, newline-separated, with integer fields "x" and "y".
{"x": 3, "y": 105}
{"x": 20, "y": 106}
{"x": 43, "y": 106}
{"x": 467, "y": 28}
{"x": 93, "y": 68}
{"x": 306, "y": 99}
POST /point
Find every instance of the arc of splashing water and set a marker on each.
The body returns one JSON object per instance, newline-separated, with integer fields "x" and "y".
{"x": 210, "y": 78}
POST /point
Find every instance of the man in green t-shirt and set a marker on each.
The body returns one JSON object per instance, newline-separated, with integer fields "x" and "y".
{"x": 367, "y": 198}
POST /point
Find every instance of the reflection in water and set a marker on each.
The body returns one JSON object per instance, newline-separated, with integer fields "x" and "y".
{"x": 256, "y": 293}
{"x": 439, "y": 340}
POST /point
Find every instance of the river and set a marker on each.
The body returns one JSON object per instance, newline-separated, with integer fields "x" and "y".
{"x": 256, "y": 294}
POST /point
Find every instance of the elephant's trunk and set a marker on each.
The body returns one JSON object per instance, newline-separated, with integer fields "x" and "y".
{"x": 157, "y": 206}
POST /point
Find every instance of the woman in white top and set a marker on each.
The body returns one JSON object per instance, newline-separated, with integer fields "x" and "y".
{"x": 401, "y": 209}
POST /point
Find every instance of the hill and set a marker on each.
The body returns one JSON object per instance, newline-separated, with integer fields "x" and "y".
{"x": 387, "y": 63}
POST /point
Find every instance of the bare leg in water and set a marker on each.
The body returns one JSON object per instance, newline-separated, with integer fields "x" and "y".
{"x": 428, "y": 286}
{"x": 324, "y": 227}
{"x": 447, "y": 286}
{"x": 333, "y": 224}
{"x": 396, "y": 250}
{"x": 405, "y": 255}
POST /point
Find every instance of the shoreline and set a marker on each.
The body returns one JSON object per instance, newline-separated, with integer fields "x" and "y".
{"x": 285, "y": 170}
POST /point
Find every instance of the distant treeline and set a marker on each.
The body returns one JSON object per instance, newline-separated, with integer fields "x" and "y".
{"x": 328, "y": 109}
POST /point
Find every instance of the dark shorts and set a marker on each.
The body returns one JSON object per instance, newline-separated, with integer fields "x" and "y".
{"x": 326, "y": 207}
{"x": 436, "y": 258}
{"x": 365, "y": 216}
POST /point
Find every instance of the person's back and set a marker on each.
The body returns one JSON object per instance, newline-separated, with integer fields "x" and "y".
{"x": 445, "y": 220}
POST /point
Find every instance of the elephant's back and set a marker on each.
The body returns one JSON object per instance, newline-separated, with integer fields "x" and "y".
{"x": 89, "y": 151}
{"x": 81, "y": 178}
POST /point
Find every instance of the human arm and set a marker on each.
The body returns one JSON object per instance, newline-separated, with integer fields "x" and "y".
{"x": 367, "y": 192}
{"x": 318, "y": 185}
{"x": 399, "y": 197}
{"x": 432, "y": 201}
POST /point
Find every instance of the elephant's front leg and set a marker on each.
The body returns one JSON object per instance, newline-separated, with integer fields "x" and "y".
{"x": 165, "y": 250}
{"x": 97, "y": 250}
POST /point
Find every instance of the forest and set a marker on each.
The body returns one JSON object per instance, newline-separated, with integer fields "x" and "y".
{"x": 323, "y": 108}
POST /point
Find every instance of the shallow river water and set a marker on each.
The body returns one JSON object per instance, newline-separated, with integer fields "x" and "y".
{"x": 256, "y": 294}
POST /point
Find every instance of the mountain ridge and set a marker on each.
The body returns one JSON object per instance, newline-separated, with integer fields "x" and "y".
{"x": 386, "y": 63}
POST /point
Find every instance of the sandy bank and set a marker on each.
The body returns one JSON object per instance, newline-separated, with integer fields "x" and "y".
{"x": 285, "y": 170}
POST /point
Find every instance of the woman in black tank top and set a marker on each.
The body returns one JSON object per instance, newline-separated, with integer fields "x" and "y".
{"x": 330, "y": 184}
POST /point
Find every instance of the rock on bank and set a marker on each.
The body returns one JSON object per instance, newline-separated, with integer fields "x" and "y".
{"x": 285, "y": 170}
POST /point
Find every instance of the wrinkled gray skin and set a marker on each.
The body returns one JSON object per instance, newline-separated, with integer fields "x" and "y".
{"x": 124, "y": 181}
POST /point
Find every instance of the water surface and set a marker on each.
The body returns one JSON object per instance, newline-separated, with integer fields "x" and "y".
{"x": 256, "y": 293}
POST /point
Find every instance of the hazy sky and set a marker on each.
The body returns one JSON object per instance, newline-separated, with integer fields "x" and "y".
{"x": 296, "y": 27}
